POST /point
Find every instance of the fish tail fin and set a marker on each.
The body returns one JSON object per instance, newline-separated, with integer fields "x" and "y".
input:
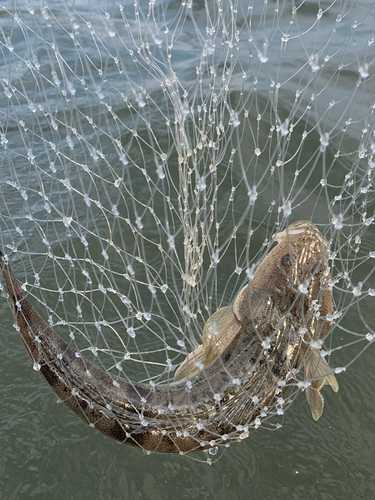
{"x": 14, "y": 289}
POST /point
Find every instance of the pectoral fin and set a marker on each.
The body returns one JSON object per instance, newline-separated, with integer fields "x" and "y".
{"x": 315, "y": 401}
{"x": 319, "y": 374}
{"x": 218, "y": 332}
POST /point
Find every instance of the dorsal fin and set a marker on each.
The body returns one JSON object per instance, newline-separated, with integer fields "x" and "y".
{"x": 218, "y": 333}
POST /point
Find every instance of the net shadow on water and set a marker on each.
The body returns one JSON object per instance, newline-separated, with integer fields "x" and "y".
{"x": 149, "y": 155}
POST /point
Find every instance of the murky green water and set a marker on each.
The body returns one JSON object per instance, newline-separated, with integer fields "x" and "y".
{"x": 48, "y": 453}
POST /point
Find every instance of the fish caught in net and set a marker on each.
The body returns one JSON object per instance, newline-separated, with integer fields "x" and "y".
{"x": 249, "y": 355}
{"x": 187, "y": 208}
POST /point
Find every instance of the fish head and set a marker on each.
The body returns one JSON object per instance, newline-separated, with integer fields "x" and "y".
{"x": 302, "y": 254}
{"x": 293, "y": 278}
{"x": 305, "y": 263}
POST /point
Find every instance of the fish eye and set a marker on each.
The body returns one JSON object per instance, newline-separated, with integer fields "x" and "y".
{"x": 316, "y": 268}
{"x": 286, "y": 260}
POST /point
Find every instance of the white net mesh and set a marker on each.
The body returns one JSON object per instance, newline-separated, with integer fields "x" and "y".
{"x": 150, "y": 152}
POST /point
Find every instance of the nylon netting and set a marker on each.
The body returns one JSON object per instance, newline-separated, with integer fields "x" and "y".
{"x": 150, "y": 151}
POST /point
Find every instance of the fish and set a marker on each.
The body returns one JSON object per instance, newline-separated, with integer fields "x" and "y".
{"x": 250, "y": 354}
{"x": 224, "y": 324}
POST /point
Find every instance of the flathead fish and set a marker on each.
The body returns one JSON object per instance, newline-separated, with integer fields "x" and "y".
{"x": 251, "y": 352}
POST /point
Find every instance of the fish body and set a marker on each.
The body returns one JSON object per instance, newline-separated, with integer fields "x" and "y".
{"x": 248, "y": 352}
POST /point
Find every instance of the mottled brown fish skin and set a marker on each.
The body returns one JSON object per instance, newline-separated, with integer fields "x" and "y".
{"x": 164, "y": 418}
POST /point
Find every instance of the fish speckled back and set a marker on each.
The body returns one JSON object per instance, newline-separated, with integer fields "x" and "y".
{"x": 250, "y": 353}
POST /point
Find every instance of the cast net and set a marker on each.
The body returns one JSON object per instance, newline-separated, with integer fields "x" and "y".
{"x": 151, "y": 150}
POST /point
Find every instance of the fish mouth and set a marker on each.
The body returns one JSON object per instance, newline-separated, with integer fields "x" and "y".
{"x": 300, "y": 227}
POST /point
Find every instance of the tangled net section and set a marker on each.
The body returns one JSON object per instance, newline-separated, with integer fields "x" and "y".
{"x": 150, "y": 152}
